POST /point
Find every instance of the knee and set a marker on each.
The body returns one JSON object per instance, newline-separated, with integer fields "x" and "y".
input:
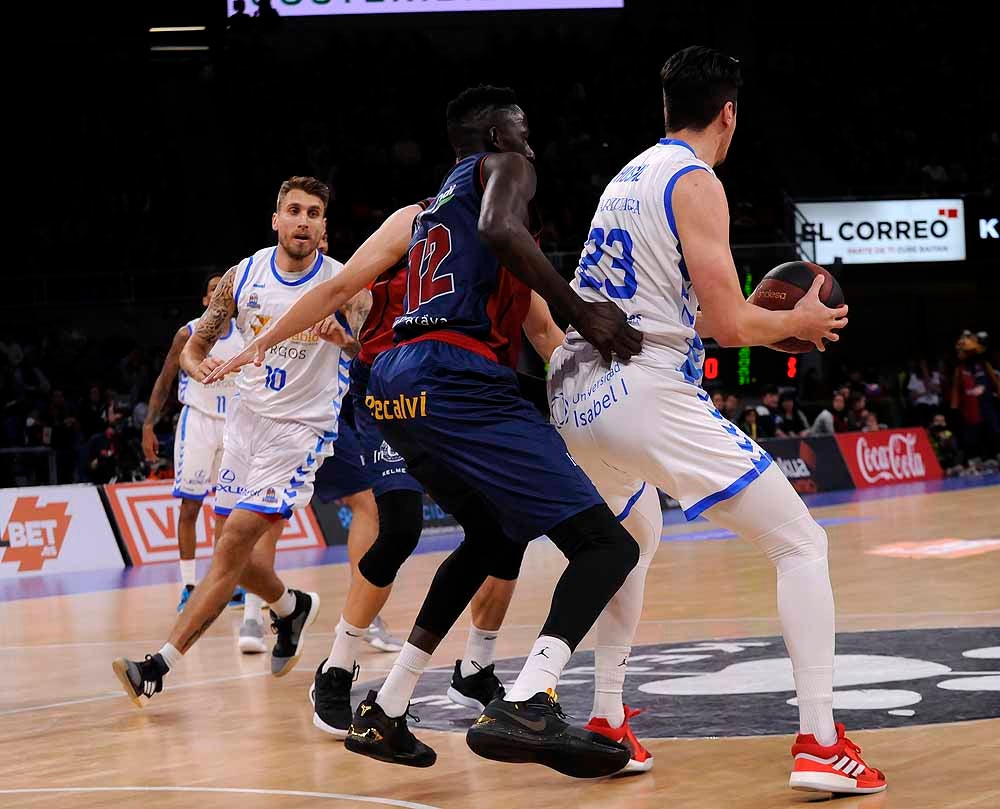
{"x": 190, "y": 508}
{"x": 362, "y": 505}
{"x": 796, "y": 542}
{"x": 393, "y": 546}
{"x": 597, "y": 530}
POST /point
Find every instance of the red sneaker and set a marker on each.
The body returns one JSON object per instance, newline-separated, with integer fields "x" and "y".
{"x": 837, "y": 768}
{"x": 640, "y": 759}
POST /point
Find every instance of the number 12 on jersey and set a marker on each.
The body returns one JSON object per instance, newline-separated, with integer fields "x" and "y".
{"x": 625, "y": 263}
{"x": 425, "y": 258}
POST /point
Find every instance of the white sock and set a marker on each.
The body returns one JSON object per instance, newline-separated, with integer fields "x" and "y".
{"x": 394, "y": 695}
{"x": 251, "y": 608}
{"x": 189, "y": 574}
{"x": 284, "y": 606}
{"x": 346, "y": 640}
{"x": 541, "y": 670}
{"x": 170, "y": 655}
{"x": 478, "y": 650}
{"x": 610, "y": 664}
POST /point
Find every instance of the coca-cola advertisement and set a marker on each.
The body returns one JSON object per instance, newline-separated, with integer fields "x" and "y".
{"x": 810, "y": 464}
{"x": 885, "y": 457}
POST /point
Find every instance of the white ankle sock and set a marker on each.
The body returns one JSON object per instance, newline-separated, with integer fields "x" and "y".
{"x": 189, "y": 571}
{"x": 610, "y": 664}
{"x": 541, "y": 670}
{"x": 346, "y": 640}
{"x": 394, "y": 695}
{"x": 170, "y": 655}
{"x": 251, "y": 608}
{"x": 479, "y": 650}
{"x": 815, "y": 700}
{"x": 284, "y": 606}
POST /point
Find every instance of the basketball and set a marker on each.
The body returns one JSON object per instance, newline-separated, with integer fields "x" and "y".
{"x": 785, "y": 285}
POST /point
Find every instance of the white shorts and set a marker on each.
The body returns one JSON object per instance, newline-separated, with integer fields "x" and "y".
{"x": 268, "y": 466}
{"x": 197, "y": 453}
{"x": 627, "y": 425}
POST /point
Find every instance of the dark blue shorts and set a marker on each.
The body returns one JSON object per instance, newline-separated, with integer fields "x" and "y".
{"x": 386, "y": 467}
{"x": 345, "y": 472}
{"x": 470, "y": 438}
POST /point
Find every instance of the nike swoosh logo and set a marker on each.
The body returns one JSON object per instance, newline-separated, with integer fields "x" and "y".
{"x": 490, "y": 637}
{"x": 537, "y": 725}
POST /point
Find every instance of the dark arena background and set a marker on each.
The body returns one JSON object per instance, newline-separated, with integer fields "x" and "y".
{"x": 147, "y": 144}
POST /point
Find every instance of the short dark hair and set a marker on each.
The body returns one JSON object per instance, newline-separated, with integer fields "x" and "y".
{"x": 768, "y": 389}
{"x": 474, "y": 101}
{"x": 309, "y": 185}
{"x": 697, "y": 83}
{"x": 210, "y": 276}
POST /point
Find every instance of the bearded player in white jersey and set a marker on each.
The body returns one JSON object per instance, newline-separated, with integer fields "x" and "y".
{"x": 659, "y": 248}
{"x": 280, "y": 427}
{"x": 197, "y": 440}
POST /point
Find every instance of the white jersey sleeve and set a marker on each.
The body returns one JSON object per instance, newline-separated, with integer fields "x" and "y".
{"x": 634, "y": 259}
{"x": 303, "y": 379}
{"x": 211, "y": 400}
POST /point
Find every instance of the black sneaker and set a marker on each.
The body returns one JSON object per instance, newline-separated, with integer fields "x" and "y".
{"x": 477, "y": 690}
{"x": 535, "y": 731}
{"x": 330, "y": 695}
{"x": 384, "y": 738}
{"x": 141, "y": 678}
{"x": 291, "y": 631}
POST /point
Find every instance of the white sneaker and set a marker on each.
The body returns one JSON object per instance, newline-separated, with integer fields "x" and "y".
{"x": 378, "y": 636}
{"x": 251, "y": 640}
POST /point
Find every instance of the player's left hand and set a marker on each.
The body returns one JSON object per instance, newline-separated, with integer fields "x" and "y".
{"x": 205, "y": 368}
{"x": 329, "y": 329}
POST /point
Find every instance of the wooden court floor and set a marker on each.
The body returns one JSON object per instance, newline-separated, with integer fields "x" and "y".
{"x": 225, "y": 734}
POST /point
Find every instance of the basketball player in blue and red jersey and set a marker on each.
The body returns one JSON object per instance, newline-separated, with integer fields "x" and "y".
{"x": 446, "y": 401}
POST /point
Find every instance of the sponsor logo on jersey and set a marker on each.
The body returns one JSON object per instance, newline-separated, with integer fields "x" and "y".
{"x": 258, "y": 324}
{"x": 386, "y": 454}
{"x": 597, "y": 406}
{"x": 288, "y": 352}
{"x": 227, "y": 475}
{"x": 270, "y": 496}
{"x": 34, "y": 533}
{"x": 402, "y": 407}
{"x": 253, "y": 302}
{"x": 559, "y": 409}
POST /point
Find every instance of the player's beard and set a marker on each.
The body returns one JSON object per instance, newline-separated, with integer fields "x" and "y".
{"x": 299, "y": 249}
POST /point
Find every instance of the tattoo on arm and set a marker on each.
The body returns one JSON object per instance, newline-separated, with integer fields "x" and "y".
{"x": 356, "y": 310}
{"x": 220, "y": 311}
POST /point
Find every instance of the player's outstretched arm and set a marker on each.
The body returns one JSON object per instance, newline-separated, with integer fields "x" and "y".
{"x": 540, "y": 329}
{"x": 510, "y": 186}
{"x": 702, "y": 217}
{"x": 381, "y": 250}
{"x": 194, "y": 357}
{"x": 161, "y": 392}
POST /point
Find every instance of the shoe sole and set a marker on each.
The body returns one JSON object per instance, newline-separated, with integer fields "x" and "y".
{"x": 636, "y": 767}
{"x": 502, "y": 746}
{"x": 120, "y": 667}
{"x": 828, "y": 782}
{"x": 252, "y": 646}
{"x": 459, "y": 698}
{"x": 383, "y": 646}
{"x": 364, "y": 750}
{"x": 292, "y": 661}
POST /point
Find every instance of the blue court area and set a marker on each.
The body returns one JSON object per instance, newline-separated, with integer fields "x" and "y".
{"x": 166, "y": 572}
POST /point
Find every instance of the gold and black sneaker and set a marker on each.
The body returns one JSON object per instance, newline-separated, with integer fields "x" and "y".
{"x": 535, "y": 731}
{"x": 386, "y": 738}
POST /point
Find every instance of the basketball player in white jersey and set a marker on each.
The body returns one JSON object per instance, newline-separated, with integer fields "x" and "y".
{"x": 198, "y": 439}
{"x": 280, "y": 427}
{"x": 659, "y": 248}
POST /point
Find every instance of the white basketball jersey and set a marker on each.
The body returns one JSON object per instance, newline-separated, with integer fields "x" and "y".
{"x": 303, "y": 379}
{"x": 634, "y": 259}
{"x": 212, "y": 400}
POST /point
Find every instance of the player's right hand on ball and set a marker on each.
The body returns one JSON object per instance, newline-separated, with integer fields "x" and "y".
{"x": 817, "y": 321}
{"x": 603, "y": 325}
{"x": 252, "y": 353}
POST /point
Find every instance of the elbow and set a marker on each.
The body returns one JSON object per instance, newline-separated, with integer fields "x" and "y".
{"x": 495, "y": 232}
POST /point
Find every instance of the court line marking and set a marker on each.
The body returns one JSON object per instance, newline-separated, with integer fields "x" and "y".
{"x": 281, "y": 793}
{"x": 658, "y": 621}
